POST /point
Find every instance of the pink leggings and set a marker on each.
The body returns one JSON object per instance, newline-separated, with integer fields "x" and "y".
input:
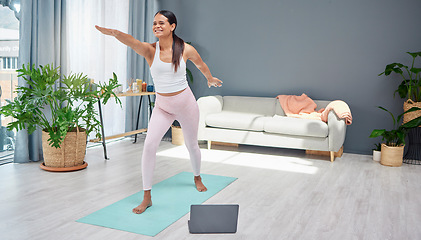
{"x": 183, "y": 108}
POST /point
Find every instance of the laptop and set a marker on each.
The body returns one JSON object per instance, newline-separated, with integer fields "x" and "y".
{"x": 213, "y": 218}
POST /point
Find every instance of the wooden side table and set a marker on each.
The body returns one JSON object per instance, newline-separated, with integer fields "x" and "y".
{"x": 135, "y": 132}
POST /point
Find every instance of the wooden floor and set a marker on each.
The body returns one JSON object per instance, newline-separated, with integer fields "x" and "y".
{"x": 283, "y": 194}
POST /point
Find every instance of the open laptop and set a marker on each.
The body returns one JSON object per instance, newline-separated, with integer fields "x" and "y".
{"x": 213, "y": 218}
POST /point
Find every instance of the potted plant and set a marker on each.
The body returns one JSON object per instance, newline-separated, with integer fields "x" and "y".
{"x": 63, "y": 107}
{"x": 392, "y": 148}
{"x": 377, "y": 152}
{"x": 410, "y": 87}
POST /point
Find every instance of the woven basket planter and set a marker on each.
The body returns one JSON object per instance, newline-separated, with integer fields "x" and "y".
{"x": 177, "y": 137}
{"x": 70, "y": 155}
{"x": 412, "y": 115}
{"x": 391, "y": 156}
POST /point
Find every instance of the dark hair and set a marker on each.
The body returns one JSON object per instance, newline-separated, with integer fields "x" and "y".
{"x": 178, "y": 43}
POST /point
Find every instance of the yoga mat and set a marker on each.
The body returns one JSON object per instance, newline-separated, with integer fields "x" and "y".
{"x": 171, "y": 200}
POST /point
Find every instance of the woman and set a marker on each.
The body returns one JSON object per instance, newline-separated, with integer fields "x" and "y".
{"x": 174, "y": 100}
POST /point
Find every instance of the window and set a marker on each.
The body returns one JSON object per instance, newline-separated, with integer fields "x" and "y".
{"x": 10, "y": 63}
{"x": 9, "y": 54}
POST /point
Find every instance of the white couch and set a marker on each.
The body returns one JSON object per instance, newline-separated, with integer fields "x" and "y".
{"x": 261, "y": 121}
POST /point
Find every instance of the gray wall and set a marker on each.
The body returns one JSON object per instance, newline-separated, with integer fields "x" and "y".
{"x": 328, "y": 49}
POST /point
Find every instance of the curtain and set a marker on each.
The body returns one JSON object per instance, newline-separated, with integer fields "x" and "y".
{"x": 42, "y": 41}
{"x": 98, "y": 55}
{"x": 141, "y": 16}
{"x": 63, "y": 33}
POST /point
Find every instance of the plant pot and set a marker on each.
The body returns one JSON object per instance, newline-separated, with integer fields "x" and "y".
{"x": 392, "y": 156}
{"x": 177, "y": 135}
{"x": 71, "y": 152}
{"x": 64, "y": 169}
{"x": 376, "y": 155}
{"x": 412, "y": 115}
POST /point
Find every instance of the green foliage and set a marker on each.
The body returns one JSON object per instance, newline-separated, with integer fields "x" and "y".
{"x": 189, "y": 74}
{"x": 378, "y": 147}
{"x": 410, "y": 86}
{"x": 57, "y": 104}
{"x": 396, "y": 136}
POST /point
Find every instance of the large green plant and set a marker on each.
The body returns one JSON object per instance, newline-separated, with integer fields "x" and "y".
{"x": 57, "y": 104}
{"x": 396, "y": 136}
{"x": 410, "y": 86}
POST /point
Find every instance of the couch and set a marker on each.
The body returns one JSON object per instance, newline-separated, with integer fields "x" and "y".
{"x": 262, "y": 121}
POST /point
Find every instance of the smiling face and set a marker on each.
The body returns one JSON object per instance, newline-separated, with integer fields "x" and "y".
{"x": 161, "y": 27}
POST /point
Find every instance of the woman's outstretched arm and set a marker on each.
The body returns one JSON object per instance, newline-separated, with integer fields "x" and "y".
{"x": 144, "y": 49}
{"x": 194, "y": 56}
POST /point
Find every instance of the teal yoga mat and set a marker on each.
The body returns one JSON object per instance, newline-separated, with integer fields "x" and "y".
{"x": 171, "y": 199}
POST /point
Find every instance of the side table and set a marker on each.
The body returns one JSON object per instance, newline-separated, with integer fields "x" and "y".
{"x": 135, "y": 132}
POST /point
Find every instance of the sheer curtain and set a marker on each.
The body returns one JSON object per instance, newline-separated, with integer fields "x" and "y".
{"x": 97, "y": 55}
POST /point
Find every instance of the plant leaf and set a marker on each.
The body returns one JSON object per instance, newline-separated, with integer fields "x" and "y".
{"x": 391, "y": 114}
{"x": 402, "y": 89}
{"x": 189, "y": 74}
{"x": 413, "y": 123}
{"x": 393, "y": 67}
{"x": 415, "y": 70}
{"x": 414, "y": 54}
{"x": 377, "y": 133}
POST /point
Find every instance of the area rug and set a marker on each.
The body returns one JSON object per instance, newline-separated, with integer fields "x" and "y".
{"x": 171, "y": 200}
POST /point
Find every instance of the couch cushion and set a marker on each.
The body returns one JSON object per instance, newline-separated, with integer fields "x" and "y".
{"x": 296, "y": 126}
{"x": 237, "y": 120}
{"x": 254, "y": 105}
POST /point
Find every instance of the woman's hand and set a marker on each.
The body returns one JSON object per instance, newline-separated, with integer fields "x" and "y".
{"x": 214, "y": 82}
{"x": 106, "y": 31}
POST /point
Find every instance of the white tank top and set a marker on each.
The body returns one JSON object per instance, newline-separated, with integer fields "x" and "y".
{"x": 164, "y": 77}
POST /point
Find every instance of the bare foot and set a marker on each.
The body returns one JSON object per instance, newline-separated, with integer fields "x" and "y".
{"x": 199, "y": 185}
{"x": 147, "y": 202}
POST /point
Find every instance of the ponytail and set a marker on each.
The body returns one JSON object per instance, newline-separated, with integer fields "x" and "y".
{"x": 177, "y": 51}
{"x": 178, "y": 43}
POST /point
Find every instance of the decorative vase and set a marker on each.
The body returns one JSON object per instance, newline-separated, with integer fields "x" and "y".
{"x": 392, "y": 156}
{"x": 376, "y": 155}
{"x": 69, "y": 156}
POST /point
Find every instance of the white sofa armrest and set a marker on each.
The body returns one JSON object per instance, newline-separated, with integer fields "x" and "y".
{"x": 337, "y": 131}
{"x": 208, "y": 105}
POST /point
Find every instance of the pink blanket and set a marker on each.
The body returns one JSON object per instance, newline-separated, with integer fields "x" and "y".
{"x": 292, "y": 104}
{"x": 341, "y": 109}
{"x": 304, "y": 107}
